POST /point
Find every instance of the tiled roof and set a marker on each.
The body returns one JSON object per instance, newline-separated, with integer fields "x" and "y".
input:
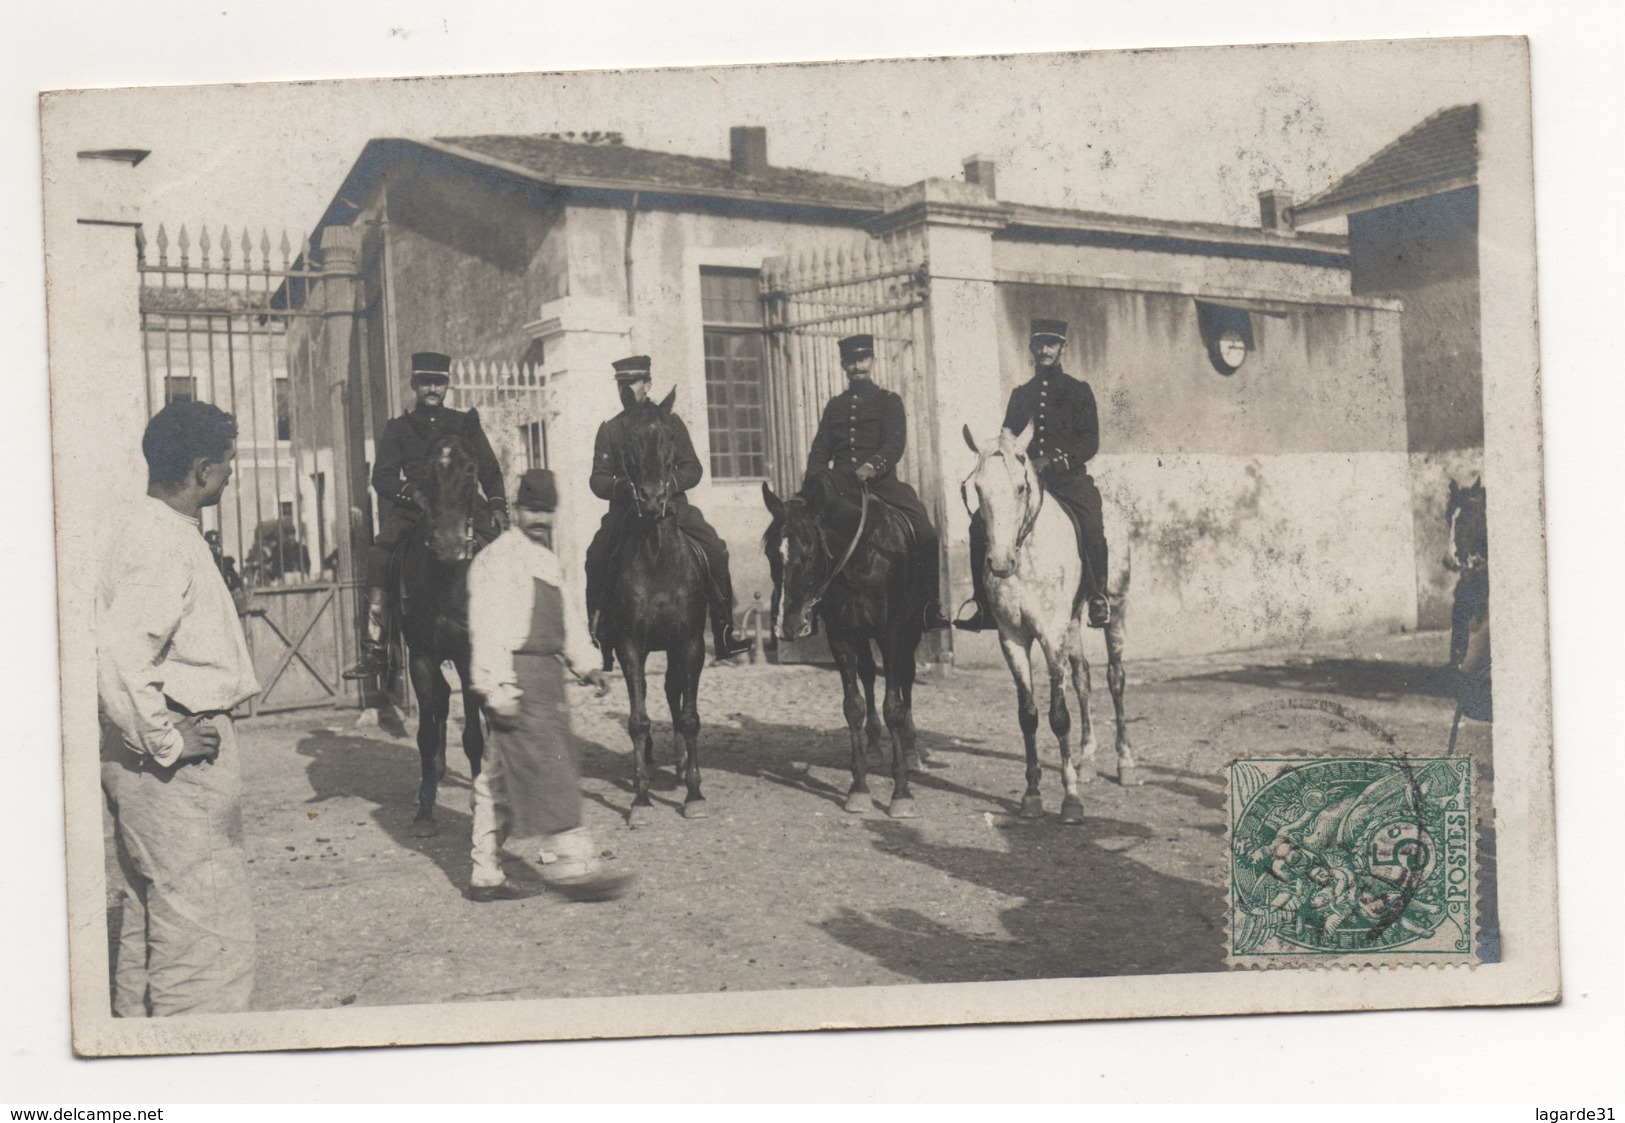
{"x": 563, "y": 161}
{"x": 1442, "y": 149}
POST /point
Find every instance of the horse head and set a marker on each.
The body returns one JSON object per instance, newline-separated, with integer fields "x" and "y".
{"x": 1465, "y": 515}
{"x": 450, "y": 487}
{"x": 650, "y": 460}
{"x": 798, "y": 556}
{"x": 1009, "y": 495}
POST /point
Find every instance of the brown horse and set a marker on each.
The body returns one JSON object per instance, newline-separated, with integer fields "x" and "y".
{"x": 434, "y": 613}
{"x": 839, "y": 557}
{"x": 658, "y": 601}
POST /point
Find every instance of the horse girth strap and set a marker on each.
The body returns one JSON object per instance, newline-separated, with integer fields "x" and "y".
{"x": 851, "y": 548}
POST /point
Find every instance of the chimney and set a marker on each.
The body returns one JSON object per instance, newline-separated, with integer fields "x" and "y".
{"x": 1275, "y": 211}
{"x": 979, "y": 170}
{"x": 748, "y": 145}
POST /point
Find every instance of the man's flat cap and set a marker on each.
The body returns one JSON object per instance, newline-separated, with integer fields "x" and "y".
{"x": 538, "y": 490}
{"x": 631, "y": 369}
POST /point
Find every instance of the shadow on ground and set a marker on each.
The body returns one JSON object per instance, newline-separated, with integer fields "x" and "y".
{"x": 1106, "y": 913}
{"x": 1366, "y": 679}
{"x": 385, "y": 773}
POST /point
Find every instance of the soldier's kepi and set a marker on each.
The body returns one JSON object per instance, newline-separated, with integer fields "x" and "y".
{"x": 609, "y": 460}
{"x": 1065, "y": 437}
{"x": 864, "y": 430}
{"x": 403, "y": 448}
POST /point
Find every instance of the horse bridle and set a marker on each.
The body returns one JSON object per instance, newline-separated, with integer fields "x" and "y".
{"x": 1029, "y": 516}
{"x": 626, "y": 474}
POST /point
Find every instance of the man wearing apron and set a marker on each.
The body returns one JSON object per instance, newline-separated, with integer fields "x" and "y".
{"x": 524, "y": 631}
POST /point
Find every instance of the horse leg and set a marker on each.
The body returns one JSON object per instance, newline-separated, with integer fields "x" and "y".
{"x": 473, "y": 727}
{"x": 1083, "y": 687}
{"x": 637, "y": 727}
{"x": 872, "y": 729}
{"x": 900, "y": 723}
{"x": 1128, "y": 770}
{"x": 1057, "y": 659}
{"x": 431, "y": 690}
{"x": 850, "y": 665}
{"x": 683, "y": 691}
{"x": 1016, "y": 656}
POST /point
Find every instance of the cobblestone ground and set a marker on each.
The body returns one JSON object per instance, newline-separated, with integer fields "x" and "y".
{"x": 780, "y": 888}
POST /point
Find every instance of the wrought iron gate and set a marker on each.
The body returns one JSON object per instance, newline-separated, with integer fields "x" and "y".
{"x": 235, "y": 323}
{"x": 812, "y": 299}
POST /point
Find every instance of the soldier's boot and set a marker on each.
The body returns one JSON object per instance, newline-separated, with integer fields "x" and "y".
{"x": 925, "y": 571}
{"x": 1100, "y": 609}
{"x": 569, "y": 864}
{"x": 982, "y": 620}
{"x": 729, "y": 640}
{"x": 374, "y": 659}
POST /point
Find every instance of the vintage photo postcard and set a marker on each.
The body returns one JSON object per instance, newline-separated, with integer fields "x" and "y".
{"x": 788, "y": 547}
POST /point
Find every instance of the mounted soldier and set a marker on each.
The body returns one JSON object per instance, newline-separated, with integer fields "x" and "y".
{"x": 610, "y": 480}
{"x": 863, "y": 432}
{"x": 397, "y": 476}
{"x": 1065, "y": 436}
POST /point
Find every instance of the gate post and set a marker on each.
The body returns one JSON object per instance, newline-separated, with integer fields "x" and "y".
{"x": 341, "y": 378}
{"x": 955, "y": 221}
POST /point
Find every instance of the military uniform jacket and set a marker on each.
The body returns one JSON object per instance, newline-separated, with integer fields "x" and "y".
{"x": 863, "y": 424}
{"x": 1065, "y": 423}
{"x": 404, "y": 446}
{"x": 611, "y": 453}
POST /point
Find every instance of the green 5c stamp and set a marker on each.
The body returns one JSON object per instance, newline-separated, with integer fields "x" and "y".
{"x": 1351, "y": 860}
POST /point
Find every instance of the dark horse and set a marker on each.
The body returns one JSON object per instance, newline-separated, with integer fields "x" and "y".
{"x": 658, "y": 601}
{"x": 434, "y": 612}
{"x": 841, "y": 557}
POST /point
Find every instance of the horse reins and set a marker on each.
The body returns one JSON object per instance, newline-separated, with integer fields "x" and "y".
{"x": 851, "y": 548}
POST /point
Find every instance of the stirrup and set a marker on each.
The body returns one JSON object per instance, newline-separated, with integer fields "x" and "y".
{"x": 932, "y": 619}
{"x": 371, "y": 664}
{"x": 730, "y": 643}
{"x": 1100, "y": 612}
{"x": 982, "y": 621}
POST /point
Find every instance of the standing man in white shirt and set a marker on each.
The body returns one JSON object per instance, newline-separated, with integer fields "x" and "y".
{"x": 172, "y": 663}
{"x": 521, "y": 625}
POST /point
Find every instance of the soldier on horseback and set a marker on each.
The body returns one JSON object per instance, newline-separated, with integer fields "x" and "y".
{"x": 1065, "y": 436}
{"x": 864, "y": 431}
{"x": 610, "y": 480}
{"x": 396, "y": 477}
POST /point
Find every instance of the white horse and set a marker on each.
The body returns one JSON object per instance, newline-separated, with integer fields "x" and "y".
{"x": 1033, "y": 571}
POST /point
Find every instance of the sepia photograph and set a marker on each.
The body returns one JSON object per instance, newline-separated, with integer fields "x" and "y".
{"x": 667, "y": 551}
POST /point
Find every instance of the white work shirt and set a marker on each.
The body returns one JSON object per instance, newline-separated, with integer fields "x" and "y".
{"x": 166, "y": 627}
{"x": 501, "y": 599}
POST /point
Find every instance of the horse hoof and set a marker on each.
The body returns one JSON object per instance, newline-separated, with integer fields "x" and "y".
{"x": 902, "y": 809}
{"x": 858, "y": 803}
{"x": 424, "y": 826}
{"x": 1130, "y": 776}
{"x": 641, "y": 815}
{"x": 696, "y": 809}
{"x": 1071, "y": 810}
{"x": 1032, "y": 806}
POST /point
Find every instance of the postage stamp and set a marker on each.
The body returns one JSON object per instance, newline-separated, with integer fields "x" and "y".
{"x": 1351, "y": 860}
